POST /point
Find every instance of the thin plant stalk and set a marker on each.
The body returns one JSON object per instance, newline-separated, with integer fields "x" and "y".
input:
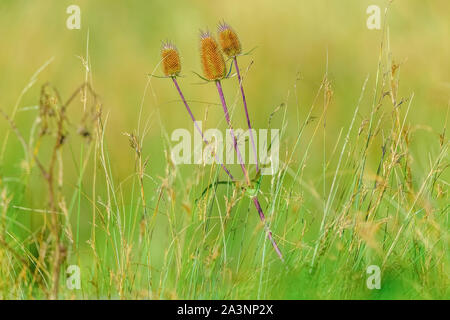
{"x": 244, "y": 100}
{"x": 198, "y": 128}
{"x": 235, "y": 142}
{"x": 269, "y": 233}
{"x": 238, "y": 153}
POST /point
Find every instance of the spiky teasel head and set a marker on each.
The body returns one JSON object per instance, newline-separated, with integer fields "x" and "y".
{"x": 212, "y": 59}
{"x": 170, "y": 59}
{"x": 229, "y": 40}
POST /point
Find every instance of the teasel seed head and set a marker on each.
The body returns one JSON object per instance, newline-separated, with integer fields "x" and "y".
{"x": 212, "y": 59}
{"x": 229, "y": 40}
{"x": 170, "y": 59}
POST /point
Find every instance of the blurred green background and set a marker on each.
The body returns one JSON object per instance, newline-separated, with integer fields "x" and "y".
{"x": 292, "y": 38}
{"x": 295, "y": 41}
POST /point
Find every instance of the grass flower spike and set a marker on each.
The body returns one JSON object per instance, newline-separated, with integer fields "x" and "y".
{"x": 170, "y": 60}
{"x": 229, "y": 40}
{"x": 213, "y": 63}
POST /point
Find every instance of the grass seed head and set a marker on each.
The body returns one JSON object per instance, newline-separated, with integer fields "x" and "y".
{"x": 212, "y": 59}
{"x": 229, "y": 40}
{"x": 170, "y": 60}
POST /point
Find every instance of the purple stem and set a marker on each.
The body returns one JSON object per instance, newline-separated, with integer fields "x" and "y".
{"x": 227, "y": 117}
{"x": 255, "y": 199}
{"x": 244, "y": 100}
{"x": 269, "y": 233}
{"x": 198, "y": 128}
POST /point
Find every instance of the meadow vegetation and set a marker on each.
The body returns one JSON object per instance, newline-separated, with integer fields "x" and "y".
{"x": 87, "y": 177}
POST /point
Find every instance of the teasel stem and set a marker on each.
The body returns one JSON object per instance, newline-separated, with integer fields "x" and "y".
{"x": 244, "y": 100}
{"x": 269, "y": 233}
{"x": 198, "y": 128}
{"x": 235, "y": 142}
{"x": 244, "y": 170}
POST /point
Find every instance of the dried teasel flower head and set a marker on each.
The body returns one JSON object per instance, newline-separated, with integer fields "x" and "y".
{"x": 170, "y": 59}
{"x": 212, "y": 59}
{"x": 229, "y": 40}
